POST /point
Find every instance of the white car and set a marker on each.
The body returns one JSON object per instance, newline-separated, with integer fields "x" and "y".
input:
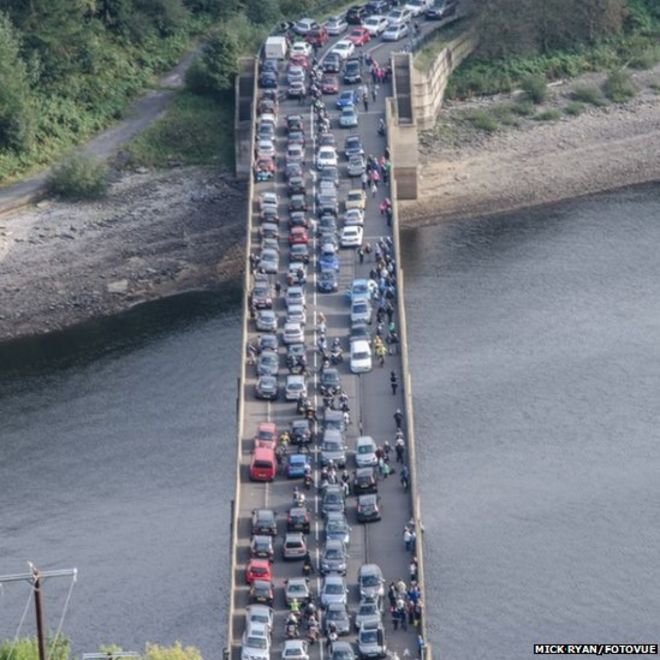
{"x": 334, "y": 590}
{"x": 344, "y": 49}
{"x": 296, "y": 314}
{"x": 295, "y": 386}
{"x": 365, "y": 447}
{"x": 336, "y": 25}
{"x": 417, "y": 7}
{"x": 354, "y": 218}
{"x": 395, "y": 32}
{"x": 399, "y": 17}
{"x": 265, "y": 148}
{"x": 259, "y": 614}
{"x": 305, "y": 25}
{"x": 360, "y": 357}
{"x": 295, "y": 295}
{"x": 256, "y": 643}
{"x": 375, "y": 25}
{"x": 295, "y": 649}
{"x": 302, "y": 48}
{"x": 268, "y": 201}
{"x": 293, "y": 333}
{"x": 351, "y": 236}
{"x": 326, "y": 157}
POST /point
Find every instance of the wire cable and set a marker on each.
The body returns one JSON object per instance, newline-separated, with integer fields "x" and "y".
{"x": 64, "y": 611}
{"x": 21, "y": 622}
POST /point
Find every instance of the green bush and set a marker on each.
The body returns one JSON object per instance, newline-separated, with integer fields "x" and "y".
{"x": 646, "y": 58}
{"x": 574, "y": 108}
{"x": 524, "y": 108}
{"x": 79, "y": 177}
{"x": 619, "y": 86}
{"x": 587, "y": 94}
{"x": 536, "y": 88}
{"x": 481, "y": 120}
{"x": 27, "y": 649}
{"x": 551, "y": 114}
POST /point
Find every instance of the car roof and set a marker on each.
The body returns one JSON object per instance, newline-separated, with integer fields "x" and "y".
{"x": 368, "y": 498}
{"x": 329, "y": 579}
{"x": 298, "y": 458}
{"x": 264, "y": 513}
{"x": 292, "y": 536}
{"x": 335, "y": 543}
{"x": 369, "y": 569}
{"x": 297, "y": 580}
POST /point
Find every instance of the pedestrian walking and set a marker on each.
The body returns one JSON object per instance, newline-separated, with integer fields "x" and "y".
{"x": 407, "y": 536}
{"x": 413, "y": 541}
{"x": 413, "y": 569}
{"x": 405, "y": 478}
{"x": 365, "y": 179}
{"x": 395, "y": 618}
{"x": 411, "y": 613}
{"x": 374, "y": 188}
{"x": 361, "y": 254}
{"x": 365, "y": 101}
{"x": 374, "y": 92}
{"x": 347, "y": 418}
{"x": 398, "y": 418}
{"x": 401, "y": 611}
{"x": 394, "y": 383}
{"x": 391, "y": 594}
{"x": 388, "y": 214}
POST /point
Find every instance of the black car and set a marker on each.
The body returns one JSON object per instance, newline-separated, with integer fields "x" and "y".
{"x": 261, "y": 547}
{"x": 301, "y": 432}
{"x": 352, "y": 72}
{"x": 327, "y": 224}
{"x": 262, "y": 296}
{"x": 330, "y": 381}
{"x": 269, "y": 65}
{"x": 356, "y": 14}
{"x": 295, "y": 123}
{"x": 329, "y": 173}
{"x": 353, "y": 146}
{"x": 342, "y": 651}
{"x": 268, "y": 342}
{"x": 293, "y": 170}
{"x": 262, "y": 592}
{"x": 296, "y": 186}
{"x": 298, "y": 520}
{"x": 299, "y": 252}
{"x": 441, "y": 9}
{"x": 368, "y": 508}
{"x": 268, "y": 80}
{"x": 327, "y": 281}
{"x": 360, "y": 331}
{"x": 333, "y": 419}
{"x": 364, "y": 481}
{"x": 263, "y": 522}
{"x": 332, "y": 63}
{"x": 298, "y": 219}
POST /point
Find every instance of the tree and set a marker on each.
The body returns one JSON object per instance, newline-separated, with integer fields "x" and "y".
{"x": 220, "y": 60}
{"x": 176, "y": 652}
{"x": 17, "y": 115}
{"x": 263, "y": 12}
{"x": 27, "y": 649}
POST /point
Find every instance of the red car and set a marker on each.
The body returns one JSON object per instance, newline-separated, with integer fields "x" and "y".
{"x": 298, "y": 235}
{"x": 266, "y": 435}
{"x": 264, "y": 168}
{"x": 299, "y": 59}
{"x": 258, "y": 569}
{"x": 359, "y": 36}
{"x": 329, "y": 84}
{"x": 318, "y": 36}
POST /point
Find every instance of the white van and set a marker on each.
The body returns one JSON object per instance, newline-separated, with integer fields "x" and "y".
{"x": 360, "y": 357}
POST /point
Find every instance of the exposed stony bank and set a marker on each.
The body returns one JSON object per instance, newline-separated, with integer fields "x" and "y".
{"x": 156, "y": 234}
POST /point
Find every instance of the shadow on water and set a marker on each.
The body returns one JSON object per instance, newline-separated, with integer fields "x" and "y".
{"x": 32, "y": 357}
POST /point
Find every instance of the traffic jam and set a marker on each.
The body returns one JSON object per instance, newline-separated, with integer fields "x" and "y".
{"x": 322, "y": 340}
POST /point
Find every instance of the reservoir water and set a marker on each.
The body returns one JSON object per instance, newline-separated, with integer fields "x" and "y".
{"x": 535, "y": 349}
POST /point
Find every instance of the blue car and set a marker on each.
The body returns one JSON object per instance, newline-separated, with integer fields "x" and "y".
{"x": 328, "y": 259}
{"x": 295, "y": 468}
{"x": 347, "y": 98}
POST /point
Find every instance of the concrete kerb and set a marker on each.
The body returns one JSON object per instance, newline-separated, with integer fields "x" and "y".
{"x": 409, "y": 417}
{"x": 241, "y": 386}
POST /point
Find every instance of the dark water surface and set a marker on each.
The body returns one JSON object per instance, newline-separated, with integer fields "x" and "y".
{"x": 113, "y": 445}
{"x": 536, "y": 365}
{"x": 537, "y": 384}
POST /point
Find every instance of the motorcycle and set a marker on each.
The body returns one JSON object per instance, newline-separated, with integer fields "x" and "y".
{"x": 313, "y": 634}
{"x": 291, "y": 631}
{"x": 307, "y": 481}
{"x": 336, "y": 356}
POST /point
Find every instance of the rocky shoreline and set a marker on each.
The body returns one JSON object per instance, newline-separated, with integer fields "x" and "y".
{"x": 157, "y": 234}
{"x": 467, "y": 172}
{"x": 163, "y": 233}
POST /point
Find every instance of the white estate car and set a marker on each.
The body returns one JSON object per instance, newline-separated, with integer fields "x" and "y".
{"x": 360, "y": 357}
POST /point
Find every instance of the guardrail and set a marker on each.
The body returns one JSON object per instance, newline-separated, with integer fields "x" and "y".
{"x": 240, "y": 402}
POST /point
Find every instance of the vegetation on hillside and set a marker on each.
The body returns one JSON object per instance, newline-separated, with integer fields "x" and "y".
{"x": 556, "y": 39}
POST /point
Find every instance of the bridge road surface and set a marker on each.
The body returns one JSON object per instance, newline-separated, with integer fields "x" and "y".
{"x": 370, "y": 397}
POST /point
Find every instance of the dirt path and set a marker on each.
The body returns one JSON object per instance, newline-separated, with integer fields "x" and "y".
{"x": 140, "y": 115}
{"x": 540, "y": 162}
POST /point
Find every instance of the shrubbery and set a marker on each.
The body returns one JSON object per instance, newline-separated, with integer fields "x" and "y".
{"x": 535, "y": 87}
{"x": 79, "y": 177}
{"x": 619, "y": 87}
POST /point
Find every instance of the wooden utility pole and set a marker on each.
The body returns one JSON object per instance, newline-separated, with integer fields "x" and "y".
{"x": 36, "y": 579}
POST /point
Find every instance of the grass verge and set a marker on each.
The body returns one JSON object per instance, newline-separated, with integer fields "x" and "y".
{"x": 195, "y": 130}
{"x": 435, "y": 45}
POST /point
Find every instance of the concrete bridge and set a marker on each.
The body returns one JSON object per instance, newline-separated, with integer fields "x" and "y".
{"x": 371, "y": 398}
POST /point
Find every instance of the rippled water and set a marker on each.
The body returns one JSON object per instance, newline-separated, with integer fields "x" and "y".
{"x": 537, "y": 381}
{"x": 537, "y": 384}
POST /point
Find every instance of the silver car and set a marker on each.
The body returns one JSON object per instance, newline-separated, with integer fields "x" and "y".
{"x": 295, "y": 386}
{"x": 266, "y": 320}
{"x": 361, "y": 311}
{"x": 297, "y": 588}
{"x": 368, "y": 611}
{"x": 370, "y": 581}
{"x": 295, "y": 295}
{"x": 356, "y": 166}
{"x": 334, "y": 590}
{"x": 259, "y": 614}
{"x": 294, "y": 546}
{"x": 337, "y": 615}
{"x": 293, "y": 333}
{"x": 333, "y": 448}
{"x": 334, "y": 557}
{"x": 371, "y": 640}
